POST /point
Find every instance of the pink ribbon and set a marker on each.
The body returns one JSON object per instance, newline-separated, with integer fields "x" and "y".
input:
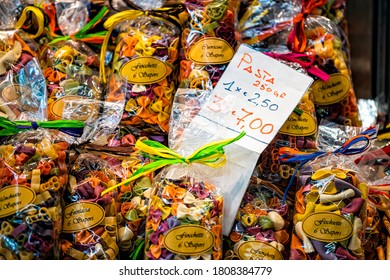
{"x": 307, "y": 64}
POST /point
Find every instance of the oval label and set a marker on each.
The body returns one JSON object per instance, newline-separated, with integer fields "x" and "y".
{"x": 144, "y": 70}
{"x": 256, "y": 250}
{"x": 327, "y": 227}
{"x": 332, "y": 91}
{"x": 82, "y": 215}
{"x": 77, "y": 107}
{"x": 303, "y": 125}
{"x": 211, "y": 51}
{"x": 15, "y": 198}
{"x": 189, "y": 240}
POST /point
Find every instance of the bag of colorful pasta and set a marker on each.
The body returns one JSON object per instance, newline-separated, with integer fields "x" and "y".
{"x": 331, "y": 198}
{"x": 261, "y": 230}
{"x": 89, "y": 218}
{"x": 71, "y": 69}
{"x": 132, "y": 198}
{"x": 208, "y": 42}
{"x": 22, "y": 84}
{"x": 33, "y": 177}
{"x": 335, "y": 98}
{"x": 144, "y": 66}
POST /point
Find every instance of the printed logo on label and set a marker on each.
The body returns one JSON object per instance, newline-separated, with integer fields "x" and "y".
{"x": 144, "y": 70}
{"x": 303, "y": 125}
{"x": 15, "y": 198}
{"x": 189, "y": 240}
{"x": 327, "y": 227}
{"x": 211, "y": 51}
{"x": 82, "y": 215}
{"x": 332, "y": 91}
{"x": 256, "y": 250}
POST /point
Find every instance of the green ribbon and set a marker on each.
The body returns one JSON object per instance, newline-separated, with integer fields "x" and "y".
{"x": 71, "y": 127}
{"x": 81, "y": 35}
{"x": 212, "y": 154}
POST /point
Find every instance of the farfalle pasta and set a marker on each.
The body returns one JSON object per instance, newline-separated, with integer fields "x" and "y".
{"x": 184, "y": 217}
{"x": 144, "y": 65}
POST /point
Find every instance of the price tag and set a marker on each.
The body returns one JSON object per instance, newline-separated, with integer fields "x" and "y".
{"x": 256, "y": 94}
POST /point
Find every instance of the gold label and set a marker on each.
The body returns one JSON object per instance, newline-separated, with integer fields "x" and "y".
{"x": 15, "y": 198}
{"x": 189, "y": 240}
{"x": 78, "y": 107}
{"x": 144, "y": 70}
{"x": 327, "y": 227}
{"x": 334, "y": 90}
{"x": 211, "y": 51}
{"x": 304, "y": 125}
{"x": 82, "y": 215}
{"x": 256, "y": 250}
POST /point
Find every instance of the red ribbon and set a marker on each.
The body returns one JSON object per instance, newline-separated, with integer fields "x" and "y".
{"x": 297, "y": 39}
{"x": 307, "y": 63}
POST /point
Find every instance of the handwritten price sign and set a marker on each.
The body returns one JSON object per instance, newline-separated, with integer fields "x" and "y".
{"x": 256, "y": 94}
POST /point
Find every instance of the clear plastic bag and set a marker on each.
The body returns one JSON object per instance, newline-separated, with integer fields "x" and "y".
{"x": 22, "y": 84}
{"x": 265, "y": 24}
{"x": 121, "y": 5}
{"x": 33, "y": 178}
{"x": 89, "y": 219}
{"x": 208, "y": 42}
{"x": 71, "y": 69}
{"x": 331, "y": 199}
{"x": 144, "y": 66}
{"x": 261, "y": 230}
{"x": 72, "y": 15}
{"x": 184, "y": 216}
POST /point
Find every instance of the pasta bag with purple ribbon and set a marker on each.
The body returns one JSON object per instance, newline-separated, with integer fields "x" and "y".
{"x": 331, "y": 196}
{"x": 144, "y": 66}
{"x": 71, "y": 69}
{"x": 22, "y": 84}
{"x": 33, "y": 177}
{"x": 208, "y": 42}
{"x": 89, "y": 218}
{"x": 261, "y": 230}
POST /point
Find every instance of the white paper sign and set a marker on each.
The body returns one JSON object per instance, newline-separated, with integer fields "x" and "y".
{"x": 256, "y": 94}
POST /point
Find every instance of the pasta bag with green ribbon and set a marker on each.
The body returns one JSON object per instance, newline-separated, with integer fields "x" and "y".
{"x": 331, "y": 197}
{"x": 144, "y": 66}
{"x": 185, "y": 208}
{"x": 33, "y": 177}
{"x": 22, "y": 84}
{"x": 334, "y": 98}
{"x": 208, "y": 42}
{"x": 89, "y": 218}
{"x": 71, "y": 69}
{"x": 261, "y": 229}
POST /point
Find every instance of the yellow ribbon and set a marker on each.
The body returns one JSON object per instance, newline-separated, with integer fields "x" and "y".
{"x": 40, "y": 19}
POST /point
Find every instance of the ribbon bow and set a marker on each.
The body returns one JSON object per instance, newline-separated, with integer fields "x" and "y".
{"x": 307, "y": 63}
{"x": 290, "y": 155}
{"x": 297, "y": 39}
{"x": 211, "y": 154}
{"x": 71, "y": 127}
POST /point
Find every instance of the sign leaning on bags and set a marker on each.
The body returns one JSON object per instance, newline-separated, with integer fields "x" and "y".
{"x": 256, "y": 94}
